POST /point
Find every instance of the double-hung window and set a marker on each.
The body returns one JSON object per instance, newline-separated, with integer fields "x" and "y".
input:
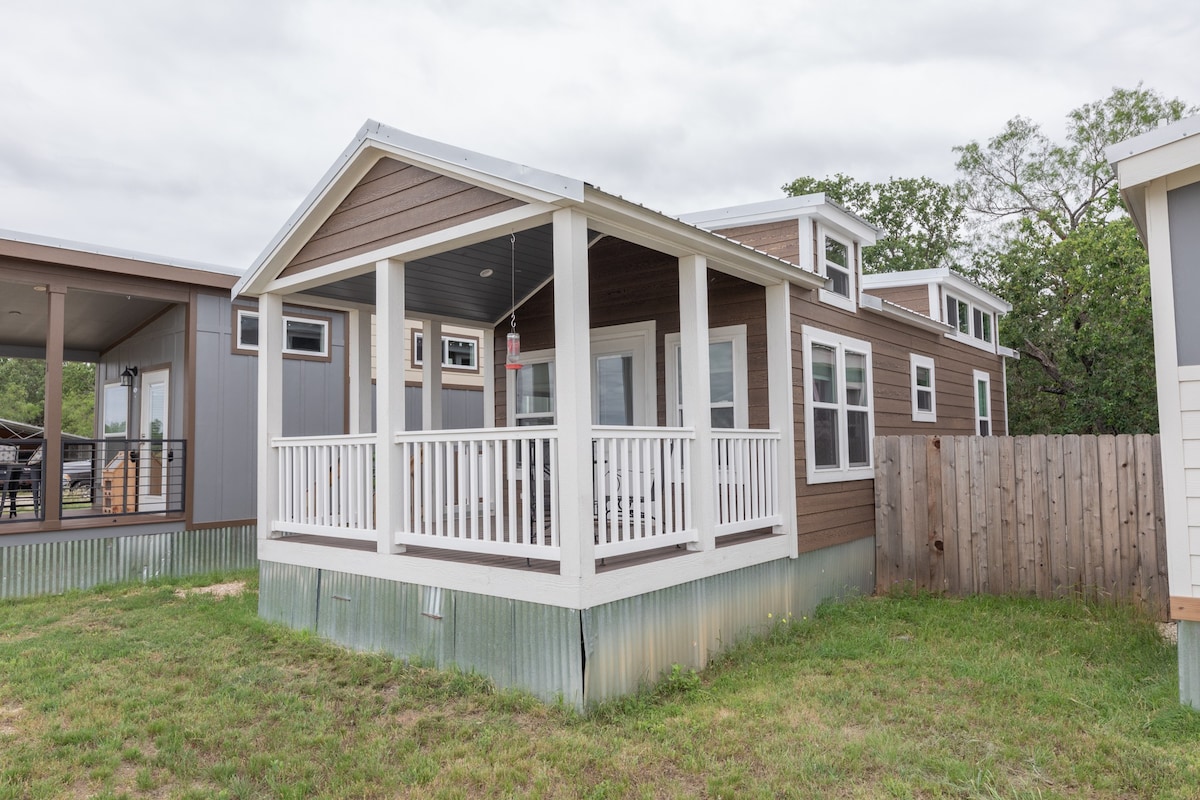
{"x": 533, "y": 390}
{"x": 983, "y": 403}
{"x": 924, "y": 400}
{"x": 837, "y": 265}
{"x": 839, "y": 409}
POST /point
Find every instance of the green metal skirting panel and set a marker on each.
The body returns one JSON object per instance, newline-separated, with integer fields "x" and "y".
{"x": 31, "y": 570}
{"x": 557, "y": 654}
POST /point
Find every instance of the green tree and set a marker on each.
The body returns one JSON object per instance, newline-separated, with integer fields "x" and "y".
{"x": 922, "y": 220}
{"x": 1066, "y": 256}
{"x": 23, "y": 388}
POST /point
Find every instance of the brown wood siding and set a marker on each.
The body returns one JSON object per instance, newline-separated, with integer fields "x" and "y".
{"x": 780, "y": 239}
{"x": 915, "y": 298}
{"x": 393, "y": 203}
{"x": 833, "y": 513}
{"x": 628, "y": 283}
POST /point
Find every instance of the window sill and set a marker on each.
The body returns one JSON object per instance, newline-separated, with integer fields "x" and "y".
{"x": 840, "y": 475}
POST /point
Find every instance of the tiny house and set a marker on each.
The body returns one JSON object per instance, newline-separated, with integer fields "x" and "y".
{"x": 678, "y": 416}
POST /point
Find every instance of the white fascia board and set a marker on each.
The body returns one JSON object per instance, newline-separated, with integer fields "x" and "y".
{"x": 888, "y": 309}
{"x": 916, "y": 277}
{"x": 1008, "y": 352}
{"x": 956, "y": 283}
{"x": 1156, "y": 153}
{"x": 784, "y": 209}
{"x": 777, "y": 210}
{"x": 115, "y": 252}
{"x": 510, "y": 177}
{"x": 613, "y": 215}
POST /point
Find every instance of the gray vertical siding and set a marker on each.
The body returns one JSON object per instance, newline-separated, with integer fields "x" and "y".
{"x": 226, "y": 397}
{"x": 161, "y": 343}
{"x": 461, "y": 408}
{"x": 557, "y": 654}
{"x": 1183, "y": 211}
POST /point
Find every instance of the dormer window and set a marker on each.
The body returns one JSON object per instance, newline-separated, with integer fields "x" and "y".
{"x": 837, "y": 265}
{"x": 973, "y": 324}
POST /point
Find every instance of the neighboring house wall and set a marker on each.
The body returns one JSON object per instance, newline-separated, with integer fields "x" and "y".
{"x": 160, "y": 343}
{"x": 226, "y": 397}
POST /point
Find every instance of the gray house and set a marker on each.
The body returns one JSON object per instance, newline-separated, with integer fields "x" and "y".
{"x": 165, "y": 484}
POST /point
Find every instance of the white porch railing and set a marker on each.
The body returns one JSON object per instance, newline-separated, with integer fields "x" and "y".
{"x": 746, "y": 480}
{"x": 495, "y": 491}
{"x": 641, "y": 488}
{"x": 491, "y": 491}
{"x": 327, "y": 485}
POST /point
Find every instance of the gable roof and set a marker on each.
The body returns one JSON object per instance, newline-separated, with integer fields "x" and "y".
{"x": 540, "y": 193}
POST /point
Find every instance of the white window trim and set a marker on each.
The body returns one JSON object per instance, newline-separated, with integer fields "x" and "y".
{"x": 827, "y": 295}
{"x": 969, "y": 337}
{"x": 916, "y": 361}
{"x": 728, "y": 333}
{"x": 245, "y": 313}
{"x": 809, "y": 337}
{"x": 979, "y": 376}
{"x": 446, "y": 338}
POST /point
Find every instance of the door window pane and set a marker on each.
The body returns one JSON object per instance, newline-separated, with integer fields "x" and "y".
{"x": 720, "y": 372}
{"x": 614, "y": 390}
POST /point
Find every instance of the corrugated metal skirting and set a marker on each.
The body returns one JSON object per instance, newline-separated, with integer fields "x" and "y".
{"x": 30, "y": 570}
{"x": 557, "y": 654}
{"x": 1189, "y": 663}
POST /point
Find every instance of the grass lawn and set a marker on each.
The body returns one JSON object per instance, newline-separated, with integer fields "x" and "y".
{"x": 144, "y": 691}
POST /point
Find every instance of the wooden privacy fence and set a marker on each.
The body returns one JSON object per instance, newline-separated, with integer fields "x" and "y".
{"x": 1038, "y": 515}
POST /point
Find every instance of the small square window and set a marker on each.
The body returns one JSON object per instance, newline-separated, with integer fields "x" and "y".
{"x": 304, "y": 336}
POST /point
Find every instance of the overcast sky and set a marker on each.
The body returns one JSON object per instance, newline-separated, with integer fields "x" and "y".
{"x": 194, "y": 129}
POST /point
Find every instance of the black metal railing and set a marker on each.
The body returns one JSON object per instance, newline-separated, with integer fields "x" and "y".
{"x": 124, "y": 477}
{"x": 21, "y": 480}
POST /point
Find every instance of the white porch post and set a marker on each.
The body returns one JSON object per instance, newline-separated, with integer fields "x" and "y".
{"x": 358, "y": 340}
{"x": 431, "y": 376}
{"x": 780, "y": 406}
{"x": 487, "y": 361}
{"x": 389, "y": 399}
{"x": 572, "y": 391}
{"x": 270, "y": 408}
{"x": 693, "y": 357}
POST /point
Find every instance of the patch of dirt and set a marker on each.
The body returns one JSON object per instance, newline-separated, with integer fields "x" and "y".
{"x": 232, "y": 589}
{"x": 1169, "y": 631}
{"x": 10, "y": 715}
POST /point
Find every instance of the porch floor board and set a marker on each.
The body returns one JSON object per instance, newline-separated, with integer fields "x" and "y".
{"x": 508, "y": 562}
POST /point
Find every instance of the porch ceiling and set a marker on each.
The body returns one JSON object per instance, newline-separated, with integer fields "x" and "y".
{"x": 450, "y": 285}
{"x": 94, "y": 322}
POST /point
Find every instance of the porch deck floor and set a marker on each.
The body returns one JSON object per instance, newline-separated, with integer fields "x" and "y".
{"x": 508, "y": 562}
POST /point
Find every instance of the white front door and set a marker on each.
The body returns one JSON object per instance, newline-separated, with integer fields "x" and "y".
{"x": 153, "y": 462}
{"x": 623, "y": 375}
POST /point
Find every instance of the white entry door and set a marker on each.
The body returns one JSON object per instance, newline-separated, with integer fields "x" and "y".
{"x": 623, "y": 375}
{"x": 153, "y": 464}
